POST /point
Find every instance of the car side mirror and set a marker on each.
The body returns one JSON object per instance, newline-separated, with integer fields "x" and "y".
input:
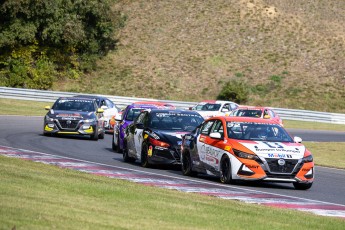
{"x": 225, "y": 110}
{"x": 47, "y": 107}
{"x": 139, "y": 125}
{"x": 216, "y": 135}
{"x": 297, "y": 140}
{"x": 104, "y": 107}
{"x": 118, "y": 117}
{"x": 100, "y": 110}
{"x": 267, "y": 116}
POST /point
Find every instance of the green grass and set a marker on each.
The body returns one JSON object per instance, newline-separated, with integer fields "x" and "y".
{"x": 39, "y": 196}
{"x": 313, "y": 125}
{"x": 330, "y": 154}
{"x": 22, "y": 107}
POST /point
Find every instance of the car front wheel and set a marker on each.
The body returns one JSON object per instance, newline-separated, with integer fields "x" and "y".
{"x": 144, "y": 157}
{"x": 225, "y": 170}
{"x": 94, "y": 136}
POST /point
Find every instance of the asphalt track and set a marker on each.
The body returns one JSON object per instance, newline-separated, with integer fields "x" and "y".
{"x": 26, "y": 133}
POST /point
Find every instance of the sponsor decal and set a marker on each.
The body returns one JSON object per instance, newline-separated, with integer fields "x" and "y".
{"x": 146, "y": 135}
{"x": 69, "y": 115}
{"x": 213, "y": 153}
{"x": 279, "y": 155}
{"x": 227, "y": 148}
{"x": 149, "y": 151}
{"x": 252, "y": 166}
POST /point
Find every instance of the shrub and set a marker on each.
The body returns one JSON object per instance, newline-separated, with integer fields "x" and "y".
{"x": 41, "y": 40}
{"x": 236, "y": 91}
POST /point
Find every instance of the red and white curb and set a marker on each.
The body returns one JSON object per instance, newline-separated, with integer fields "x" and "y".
{"x": 184, "y": 185}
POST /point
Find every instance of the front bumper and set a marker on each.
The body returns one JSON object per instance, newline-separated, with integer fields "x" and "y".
{"x": 159, "y": 155}
{"x": 269, "y": 170}
{"x": 77, "y": 128}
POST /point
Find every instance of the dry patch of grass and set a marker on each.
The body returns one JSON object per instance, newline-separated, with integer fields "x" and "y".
{"x": 187, "y": 50}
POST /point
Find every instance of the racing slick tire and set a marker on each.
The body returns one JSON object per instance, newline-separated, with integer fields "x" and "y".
{"x": 125, "y": 156}
{"x": 302, "y": 186}
{"x": 186, "y": 165}
{"x": 225, "y": 170}
{"x": 94, "y": 136}
{"x": 144, "y": 157}
{"x": 115, "y": 147}
{"x": 101, "y": 135}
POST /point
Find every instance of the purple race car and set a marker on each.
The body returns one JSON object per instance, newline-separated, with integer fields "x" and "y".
{"x": 128, "y": 115}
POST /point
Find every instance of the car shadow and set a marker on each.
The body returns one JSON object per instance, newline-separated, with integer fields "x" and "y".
{"x": 76, "y": 137}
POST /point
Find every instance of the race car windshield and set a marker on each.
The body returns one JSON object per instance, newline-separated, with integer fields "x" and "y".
{"x": 132, "y": 114}
{"x": 257, "y": 132}
{"x": 175, "y": 121}
{"x": 74, "y": 105}
{"x": 208, "y": 107}
{"x": 248, "y": 113}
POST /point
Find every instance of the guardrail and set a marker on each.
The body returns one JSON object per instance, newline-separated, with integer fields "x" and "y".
{"x": 51, "y": 96}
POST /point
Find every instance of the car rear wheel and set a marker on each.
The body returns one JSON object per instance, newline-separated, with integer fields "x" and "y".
{"x": 302, "y": 186}
{"x": 225, "y": 170}
{"x": 144, "y": 157}
{"x": 125, "y": 156}
{"x": 101, "y": 135}
{"x": 187, "y": 165}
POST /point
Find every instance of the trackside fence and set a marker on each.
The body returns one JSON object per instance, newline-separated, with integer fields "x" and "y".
{"x": 51, "y": 96}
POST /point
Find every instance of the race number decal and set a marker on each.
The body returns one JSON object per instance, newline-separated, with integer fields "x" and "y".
{"x": 275, "y": 146}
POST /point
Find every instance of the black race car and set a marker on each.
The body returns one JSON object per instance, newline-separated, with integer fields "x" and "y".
{"x": 74, "y": 116}
{"x": 155, "y": 136}
{"x": 110, "y": 109}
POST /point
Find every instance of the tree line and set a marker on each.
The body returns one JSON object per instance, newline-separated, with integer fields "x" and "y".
{"x": 44, "y": 40}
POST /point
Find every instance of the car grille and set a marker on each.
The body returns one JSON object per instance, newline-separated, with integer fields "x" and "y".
{"x": 68, "y": 124}
{"x": 276, "y": 168}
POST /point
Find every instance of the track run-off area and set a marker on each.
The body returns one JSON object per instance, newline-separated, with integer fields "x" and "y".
{"x": 21, "y": 137}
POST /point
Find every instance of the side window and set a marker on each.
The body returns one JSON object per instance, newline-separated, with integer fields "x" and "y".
{"x": 140, "y": 118}
{"x": 218, "y": 128}
{"x": 103, "y": 103}
{"x": 109, "y": 104}
{"x": 226, "y": 107}
{"x": 205, "y": 129}
{"x": 271, "y": 113}
{"x": 145, "y": 119}
{"x": 233, "y": 106}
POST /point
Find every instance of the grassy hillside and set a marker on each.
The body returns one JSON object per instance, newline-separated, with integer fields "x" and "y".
{"x": 290, "y": 53}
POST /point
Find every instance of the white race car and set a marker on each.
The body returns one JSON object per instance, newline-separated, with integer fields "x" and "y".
{"x": 211, "y": 108}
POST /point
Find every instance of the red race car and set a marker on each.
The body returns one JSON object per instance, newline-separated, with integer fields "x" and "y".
{"x": 256, "y": 111}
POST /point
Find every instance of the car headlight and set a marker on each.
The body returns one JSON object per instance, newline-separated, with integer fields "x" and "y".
{"x": 47, "y": 118}
{"x": 307, "y": 159}
{"x": 245, "y": 155}
{"x": 89, "y": 120}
